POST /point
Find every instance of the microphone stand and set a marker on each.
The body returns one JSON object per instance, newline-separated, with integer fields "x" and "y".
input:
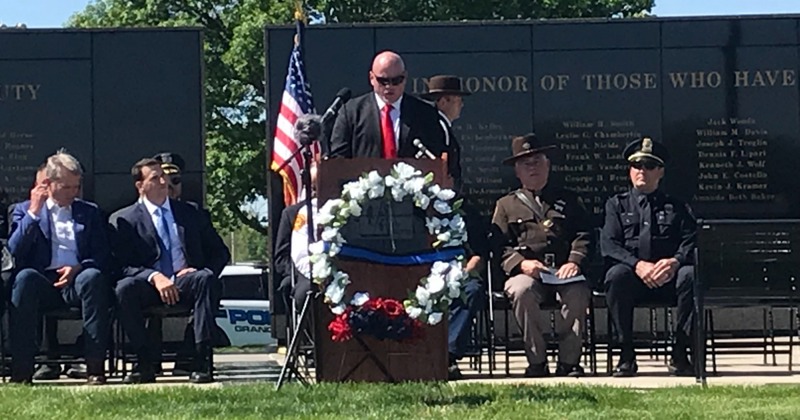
{"x": 290, "y": 364}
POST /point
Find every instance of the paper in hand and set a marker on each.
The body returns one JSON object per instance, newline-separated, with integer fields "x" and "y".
{"x": 549, "y": 277}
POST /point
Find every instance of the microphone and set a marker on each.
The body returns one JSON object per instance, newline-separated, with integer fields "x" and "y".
{"x": 422, "y": 149}
{"x": 341, "y": 97}
{"x": 307, "y": 129}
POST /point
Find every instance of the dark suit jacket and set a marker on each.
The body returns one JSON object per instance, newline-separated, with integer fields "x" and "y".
{"x": 29, "y": 240}
{"x": 135, "y": 241}
{"x": 357, "y": 130}
{"x": 283, "y": 245}
{"x": 453, "y": 151}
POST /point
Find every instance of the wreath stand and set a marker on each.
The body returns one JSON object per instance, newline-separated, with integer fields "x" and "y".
{"x": 364, "y": 358}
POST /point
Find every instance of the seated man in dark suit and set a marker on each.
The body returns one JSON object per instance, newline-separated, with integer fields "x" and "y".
{"x": 60, "y": 247}
{"x": 169, "y": 253}
{"x": 384, "y": 123}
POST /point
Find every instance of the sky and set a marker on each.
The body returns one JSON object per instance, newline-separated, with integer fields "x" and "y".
{"x": 53, "y": 13}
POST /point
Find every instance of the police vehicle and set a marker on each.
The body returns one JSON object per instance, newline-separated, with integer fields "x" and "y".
{"x": 244, "y": 314}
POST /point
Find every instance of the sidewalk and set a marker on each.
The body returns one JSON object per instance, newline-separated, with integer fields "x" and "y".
{"x": 236, "y": 368}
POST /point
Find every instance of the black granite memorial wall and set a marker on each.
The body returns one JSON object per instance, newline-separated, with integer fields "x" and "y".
{"x": 720, "y": 92}
{"x": 108, "y": 97}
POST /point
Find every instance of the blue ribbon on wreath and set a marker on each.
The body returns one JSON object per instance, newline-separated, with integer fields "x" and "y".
{"x": 428, "y": 257}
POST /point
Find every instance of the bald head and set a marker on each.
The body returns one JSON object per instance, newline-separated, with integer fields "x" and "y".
{"x": 388, "y": 76}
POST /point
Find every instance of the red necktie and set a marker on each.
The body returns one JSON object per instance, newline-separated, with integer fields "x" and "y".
{"x": 387, "y": 132}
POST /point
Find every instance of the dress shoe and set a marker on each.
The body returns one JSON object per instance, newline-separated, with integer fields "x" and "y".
{"x": 203, "y": 369}
{"x": 539, "y": 370}
{"x": 626, "y": 369}
{"x": 142, "y": 374}
{"x": 48, "y": 372}
{"x": 76, "y": 371}
{"x": 454, "y": 373}
{"x": 678, "y": 367}
{"x": 573, "y": 371}
{"x": 21, "y": 380}
{"x": 96, "y": 380}
{"x": 200, "y": 378}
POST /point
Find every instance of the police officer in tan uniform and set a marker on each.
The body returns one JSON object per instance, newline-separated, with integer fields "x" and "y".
{"x": 543, "y": 229}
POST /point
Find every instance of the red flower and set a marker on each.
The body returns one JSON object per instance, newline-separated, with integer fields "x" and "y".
{"x": 373, "y": 304}
{"x": 340, "y": 328}
{"x": 393, "y": 308}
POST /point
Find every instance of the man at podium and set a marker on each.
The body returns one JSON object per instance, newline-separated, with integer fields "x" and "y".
{"x": 385, "y": 122}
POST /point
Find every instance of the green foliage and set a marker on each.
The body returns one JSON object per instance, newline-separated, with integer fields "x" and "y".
{"x": 234, "y": 53}
{"x": 246, "y": 244}
{"x": 401, "y": 401}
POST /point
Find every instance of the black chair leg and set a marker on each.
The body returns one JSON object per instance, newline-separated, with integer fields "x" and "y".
{"x": 772, "y": 337}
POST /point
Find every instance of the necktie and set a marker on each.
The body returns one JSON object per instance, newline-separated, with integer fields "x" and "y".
{"x": 165, "y": 261}
{"x": 387, "y": 132}
{"x": 646, "y": 222}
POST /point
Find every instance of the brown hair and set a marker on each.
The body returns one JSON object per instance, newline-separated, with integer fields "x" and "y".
{"x": 136, "y": 171}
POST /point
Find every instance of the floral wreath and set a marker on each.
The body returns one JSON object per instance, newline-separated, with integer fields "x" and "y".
{"x": 382, "y": 317}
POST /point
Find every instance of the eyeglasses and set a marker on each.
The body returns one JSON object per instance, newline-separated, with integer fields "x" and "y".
{"x": 644, "y": 165}
{"x": 175, "y": 180}
{"x": 393, "y": 81}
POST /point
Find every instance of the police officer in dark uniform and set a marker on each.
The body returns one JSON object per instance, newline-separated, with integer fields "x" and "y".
{"x": 172, "y": 164}
{"x": 648, "y": 240}
{"x": 447, "y": 96}
{"x": 543, "y": 230}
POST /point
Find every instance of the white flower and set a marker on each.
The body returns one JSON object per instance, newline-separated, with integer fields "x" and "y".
{"x": 342, "y": 278}
{"x": 344, "y": 210}
{"x": 376, "y": 191}
{"x": 334, "y": 249}
{"x": 338, "y": 309}
{"x": 355, "y": 208}
{"x": 442, "y": 207}
{"x": 355, "y": 190}
{"x": 454, "y": 292}
{"x": 321, "y": 269}
{"x": 454, "y": 276}
{"x": 324, "y": 218}
{"x": 405, "y": 171}
{"x": 434, "y": 318}
{"x": 433, "y": 224}
{"x": 422, "y": 201}
{"x": 329, "y": 234}
{"x": 414, "y": 185}
{"x": 434, "y": 189}
{"x": 445, "y": 194}
{"x": 439, "y": 267}
{"x": 359, "y": 298}
{"x": 317, "y": 248}
{"x": 334, "y": 292}
{"x": 374, "y": 178}
{"x": 422, "y": 296}
{"x": 457, "y": 223}
{"x": 398, "y": 193}
{"x": 435, "y": 284}
{"x": 414, "y": 312}
{"x": 444, "y": 237}
{"x": 391, "y": 181}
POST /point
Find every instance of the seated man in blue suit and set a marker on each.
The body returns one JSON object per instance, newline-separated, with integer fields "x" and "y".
{"x": 169, "y": 253}
{"x": 60, "y": 247}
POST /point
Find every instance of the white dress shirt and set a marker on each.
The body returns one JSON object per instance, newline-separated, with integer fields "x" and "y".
{"x": 395, "y": 115}
{"x": 299, "y": 245}
{"x": 178, "y": 258}
{"x": 64, "y": 248}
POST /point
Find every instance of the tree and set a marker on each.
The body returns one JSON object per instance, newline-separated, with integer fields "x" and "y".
{"x": 234, "y": 53}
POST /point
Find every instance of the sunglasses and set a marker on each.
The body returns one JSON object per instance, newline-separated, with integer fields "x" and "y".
{"x": 175, "y": 180}
{"x": 390, "y": 81}
{"x": 644, "y": 165}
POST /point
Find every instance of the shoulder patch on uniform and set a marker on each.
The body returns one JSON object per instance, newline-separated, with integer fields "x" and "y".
{"x": 299, "y": 222}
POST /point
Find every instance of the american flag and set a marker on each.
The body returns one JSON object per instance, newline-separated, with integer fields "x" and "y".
{"x": 296, "y": 101}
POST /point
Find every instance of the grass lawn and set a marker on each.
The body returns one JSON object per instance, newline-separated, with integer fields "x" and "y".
{"x": 407, "y": 401}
